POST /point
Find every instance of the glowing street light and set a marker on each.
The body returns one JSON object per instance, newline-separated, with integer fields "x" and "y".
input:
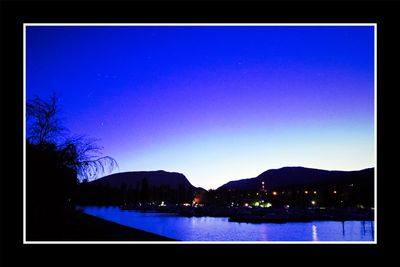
{"x": 313, "y": 202}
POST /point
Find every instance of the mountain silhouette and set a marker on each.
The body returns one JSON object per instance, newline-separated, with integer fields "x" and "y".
{"x": 172, "y": 180}
{"x": 300, "y": 176}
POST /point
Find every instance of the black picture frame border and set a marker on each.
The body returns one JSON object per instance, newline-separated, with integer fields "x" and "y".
{"x": 15, "y": 13}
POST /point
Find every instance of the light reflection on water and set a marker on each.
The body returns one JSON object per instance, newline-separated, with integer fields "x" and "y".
{"x": 314, "y": 233}
{"x": 220, "y": 229}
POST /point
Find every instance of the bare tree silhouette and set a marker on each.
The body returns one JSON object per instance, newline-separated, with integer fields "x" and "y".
{"x": 84, "y": 156}
{"x": 43, "y": 123}
{"x": 80, "y": 153}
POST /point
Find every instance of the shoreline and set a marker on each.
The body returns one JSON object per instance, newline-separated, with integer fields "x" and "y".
{"x": 263, "y": 215}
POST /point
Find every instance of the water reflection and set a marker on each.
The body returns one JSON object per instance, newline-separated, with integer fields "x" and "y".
{"x": 263, "y": 232}
{"x": 343, "y": 231}
{"x": 220, "y": 229}
{"x": 314, "y": 233}
{"x": 372, "y": 229}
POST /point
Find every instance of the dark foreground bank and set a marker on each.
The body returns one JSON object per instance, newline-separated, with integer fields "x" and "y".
{"x": 78, "y": 226}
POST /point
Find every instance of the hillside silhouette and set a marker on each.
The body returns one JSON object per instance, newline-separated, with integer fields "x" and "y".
{"x": 138, "y": 187}
{"x": 301, "y": 176}
{"x": 154, "y": 178}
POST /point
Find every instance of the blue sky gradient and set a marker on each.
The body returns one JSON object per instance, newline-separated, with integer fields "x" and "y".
{"x": 214, "y": 103}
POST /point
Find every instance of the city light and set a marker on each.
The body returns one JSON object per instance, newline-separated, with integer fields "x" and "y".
{"x": 274, "y": 193}
{"x": 196, "y": 200}
{"x": 313, "y": 202}
{"x": 306, "y": 192}
{"x": 315, "y": 192}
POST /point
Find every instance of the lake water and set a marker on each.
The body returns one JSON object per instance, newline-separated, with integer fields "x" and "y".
{"x": 220, "y": 229}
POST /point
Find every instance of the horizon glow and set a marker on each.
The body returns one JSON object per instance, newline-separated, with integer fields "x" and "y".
{"x": 215, "y": 103}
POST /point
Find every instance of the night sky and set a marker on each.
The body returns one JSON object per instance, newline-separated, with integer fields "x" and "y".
{"x": 212, "y": 102}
